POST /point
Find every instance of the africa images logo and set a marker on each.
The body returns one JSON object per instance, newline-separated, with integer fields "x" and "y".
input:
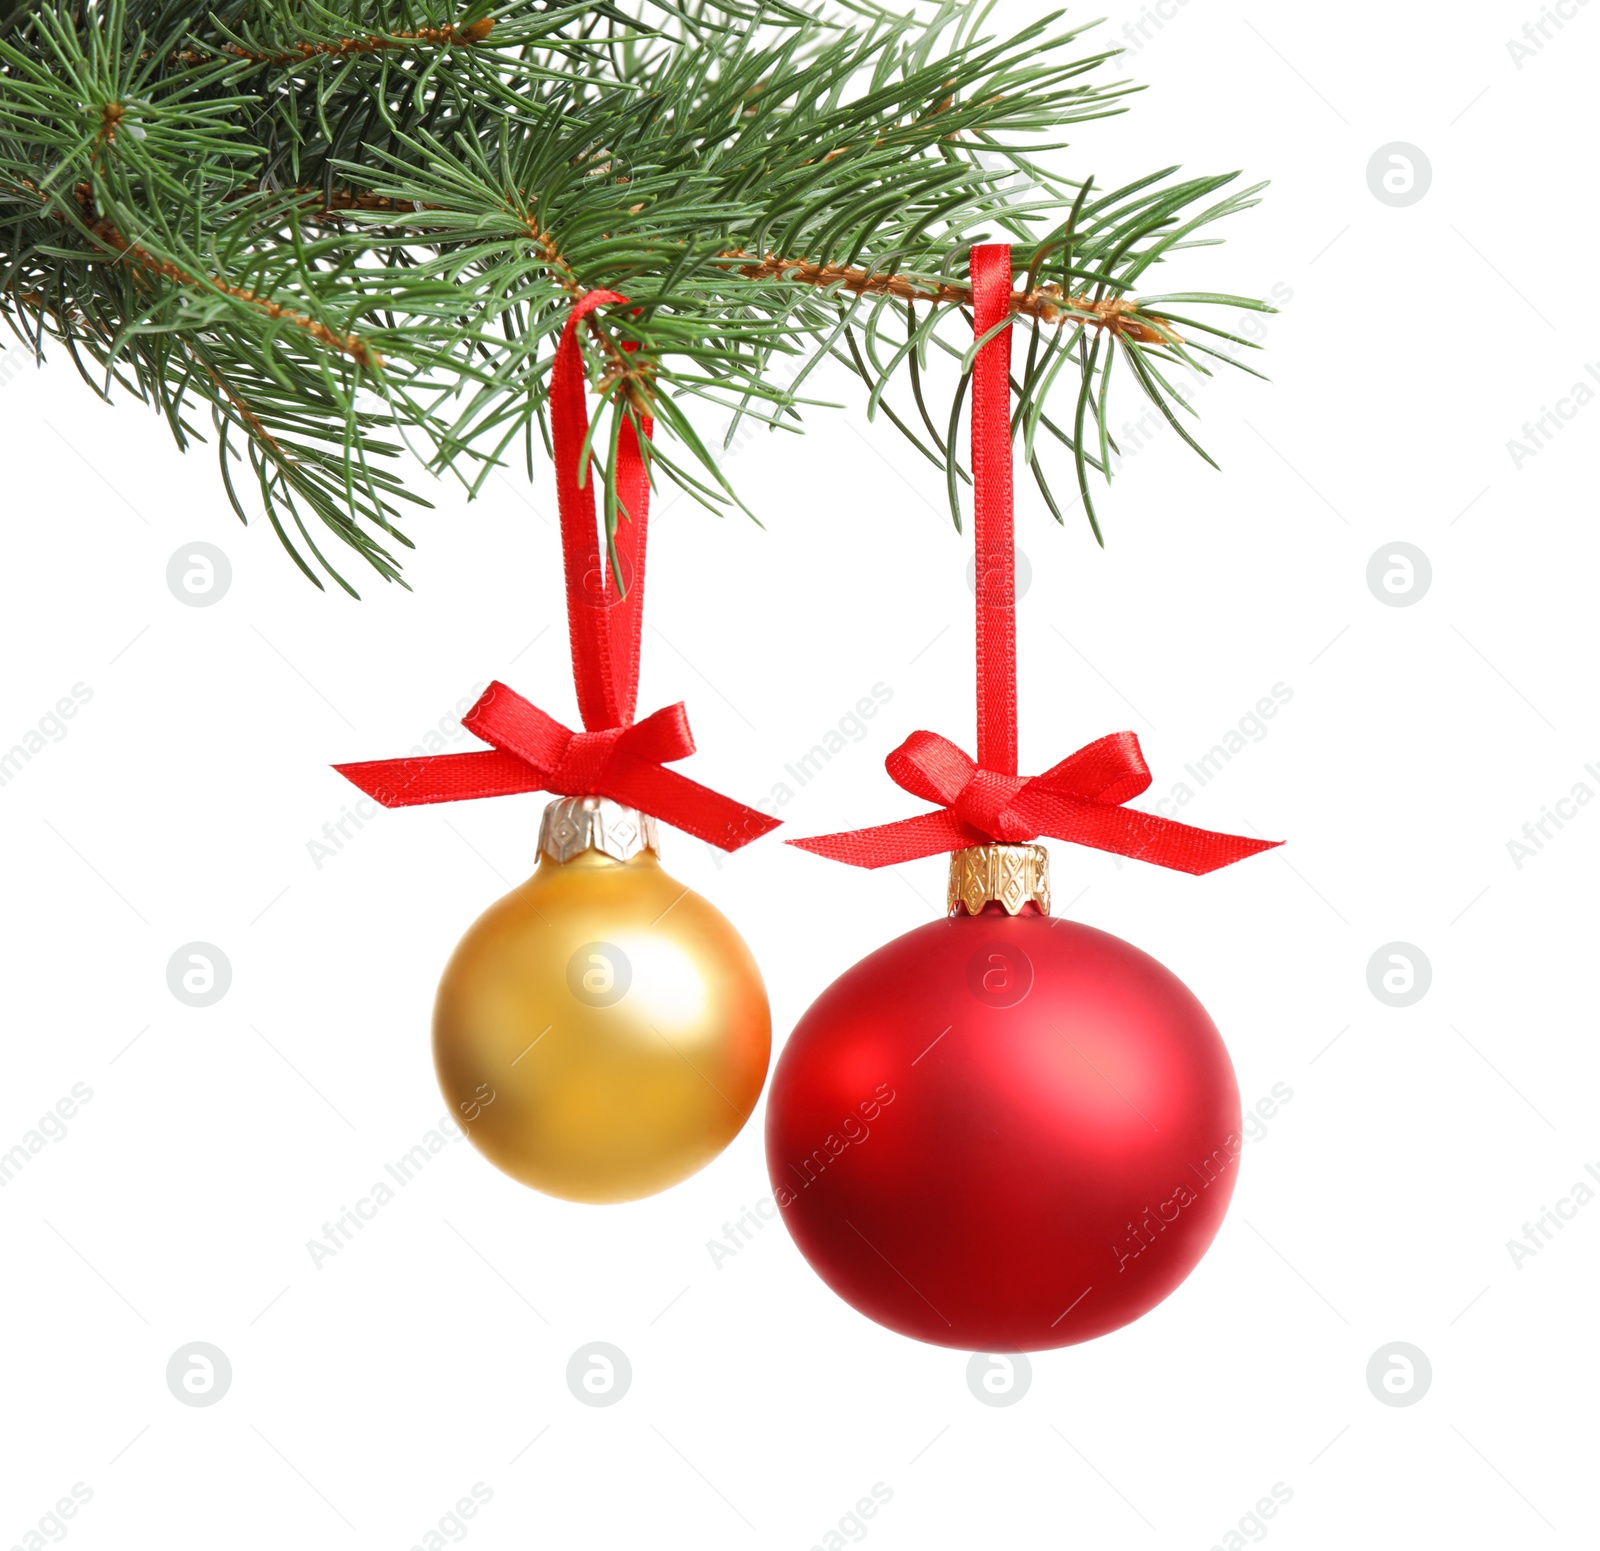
{"x": 853, "y": 1128}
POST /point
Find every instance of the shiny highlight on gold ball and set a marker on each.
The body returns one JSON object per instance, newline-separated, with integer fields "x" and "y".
{"x": 602, "y": 1032}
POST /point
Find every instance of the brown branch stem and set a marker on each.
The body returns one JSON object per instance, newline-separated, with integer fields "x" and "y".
{"x": 105, "y": 233}
{"x": 344, "y": 48}
{"x": 1117, "y": 314}
{"x": 246, "y": 415}
{"x": 633, "y": 375}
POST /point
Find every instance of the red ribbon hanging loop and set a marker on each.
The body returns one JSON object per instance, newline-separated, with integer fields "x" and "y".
{"x": 604, "y": 614}
{"x": 614, "y": 756}
{"x": 984, "y": 800}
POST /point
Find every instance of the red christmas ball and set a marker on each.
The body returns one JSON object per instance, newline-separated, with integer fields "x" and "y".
{"x": 1004, "y": 1133}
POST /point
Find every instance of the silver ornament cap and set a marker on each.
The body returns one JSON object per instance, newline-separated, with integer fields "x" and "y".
{"x": 573, "y": 825}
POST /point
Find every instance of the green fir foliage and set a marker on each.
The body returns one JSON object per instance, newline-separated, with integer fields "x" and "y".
{"x": 348, "y": 234}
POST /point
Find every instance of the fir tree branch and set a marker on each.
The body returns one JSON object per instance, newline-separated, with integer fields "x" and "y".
{"x": 353, "y": 230}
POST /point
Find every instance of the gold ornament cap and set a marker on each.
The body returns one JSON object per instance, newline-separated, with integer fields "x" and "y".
{"x": 573, "y": 825}
{"x": 1008, "y": 875}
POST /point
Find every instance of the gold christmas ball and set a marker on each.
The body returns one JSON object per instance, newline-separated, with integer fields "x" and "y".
{"x": 602, "y": 1032}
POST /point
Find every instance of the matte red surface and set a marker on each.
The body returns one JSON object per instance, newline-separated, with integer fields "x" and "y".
{"x": 1004, "y": 1134}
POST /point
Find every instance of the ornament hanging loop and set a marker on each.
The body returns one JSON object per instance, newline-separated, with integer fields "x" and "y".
{"x": 993, "y": 522}
{"x": 614, "y": 757}
{"x": 984, "y": 807}
{"x": 605, "y": 601}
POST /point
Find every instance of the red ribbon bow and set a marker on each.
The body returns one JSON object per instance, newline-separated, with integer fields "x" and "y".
{"x": 1078, "y": 800}
{"x": 533, "y": 752}
{"x": 614, "y": 756}
{"x": 985, "y": 800}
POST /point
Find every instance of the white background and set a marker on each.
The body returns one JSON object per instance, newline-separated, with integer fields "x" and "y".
{"x": 430, "y": 1354}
